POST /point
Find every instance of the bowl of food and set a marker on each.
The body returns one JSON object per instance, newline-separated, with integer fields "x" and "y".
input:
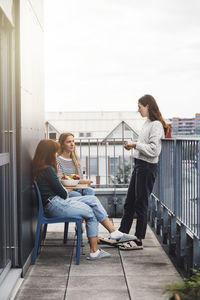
{"x": 69, "y": 182}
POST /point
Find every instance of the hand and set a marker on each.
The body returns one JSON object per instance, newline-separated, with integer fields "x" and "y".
{"x": 129, "y": 145}
{"x": 86, "y": 181}
{"x": 89, "y": 181}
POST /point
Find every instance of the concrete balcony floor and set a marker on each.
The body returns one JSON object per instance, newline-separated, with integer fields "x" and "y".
{"x": 136, "y": 274}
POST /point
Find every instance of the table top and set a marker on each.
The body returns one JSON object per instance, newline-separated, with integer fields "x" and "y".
{"x": 79, "y": 186}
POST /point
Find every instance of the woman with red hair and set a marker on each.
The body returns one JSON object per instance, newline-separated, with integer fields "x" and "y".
{"x": 57, "y": 204}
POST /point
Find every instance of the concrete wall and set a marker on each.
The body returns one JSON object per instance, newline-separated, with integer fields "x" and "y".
{"x": 30, "y": 112}
{"x": 112, "y": 200}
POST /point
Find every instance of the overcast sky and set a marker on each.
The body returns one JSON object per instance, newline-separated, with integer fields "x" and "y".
{"x": 105, "y": 54}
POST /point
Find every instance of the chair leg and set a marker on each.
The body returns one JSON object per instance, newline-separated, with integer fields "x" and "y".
{"x": 65, "y": 232}
{"x": 37, "y": 238}
{"x": 78, "y": 246}
{"x": 44, "y": 232}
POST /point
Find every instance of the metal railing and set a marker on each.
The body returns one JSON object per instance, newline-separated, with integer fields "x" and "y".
{"x": 174, "y": 209}
{"x": 106, "y": 162}
{"x": 177, "y": 186}
{"x": 178, "y": 182}
{"x": 175, "y": 202}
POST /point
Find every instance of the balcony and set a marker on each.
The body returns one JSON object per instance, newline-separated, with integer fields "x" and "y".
{"x": 126, "y": 275}
{"x": 174, "y": 218}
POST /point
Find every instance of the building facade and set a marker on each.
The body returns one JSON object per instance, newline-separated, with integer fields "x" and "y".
{"x": 186, "y": 126}
{"x": 93, "y": 124}
{"x": 21, "y": 127}
{"x": 99, "y": 138}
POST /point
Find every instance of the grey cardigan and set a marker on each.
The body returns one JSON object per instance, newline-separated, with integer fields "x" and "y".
{"x": 148, "y": 145}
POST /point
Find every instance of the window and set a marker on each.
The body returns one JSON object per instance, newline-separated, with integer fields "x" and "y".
{"x": 52, "y": 135}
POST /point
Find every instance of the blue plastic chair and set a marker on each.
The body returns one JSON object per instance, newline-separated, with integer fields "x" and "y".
{"x": 44, "y": 220}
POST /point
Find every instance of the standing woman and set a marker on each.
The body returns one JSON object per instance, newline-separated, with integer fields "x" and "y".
{"x": 68, "y": 163}
{"x": 146, "y": 154}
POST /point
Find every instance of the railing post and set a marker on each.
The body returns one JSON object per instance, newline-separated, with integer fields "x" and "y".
{"x": 196, "y": 253}
{"x": 165, "y": 225}
{"x": 196, "y": 240}
{"x": 86, "y": 163}
{"x": 97, "y": 176}
{"x": 108, "y": 170}
{"x": 114, "y": 164}
{"x": 177, "y": 183}
{"x": 177, "y": 193}
{"x": 98, "y": 181}
{"x": 172, "y": 236}
{"x": 89, "y": 158}
{"x": 106, "y": 161}
{"x": 198, "y": 188}
{"x": 172, "y": 241}
{"x": 158, "y": 219}
{"x": 183, "y": 244}
{"x": 162, "y": 222}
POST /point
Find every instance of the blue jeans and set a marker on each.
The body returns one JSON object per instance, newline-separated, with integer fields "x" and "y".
{"x": 84, "y": 192}
{"x": 87, "y": 207}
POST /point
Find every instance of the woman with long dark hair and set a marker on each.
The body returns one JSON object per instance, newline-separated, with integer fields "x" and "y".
{"x": 146, "y": 153}
{"x": 57, "y": 204}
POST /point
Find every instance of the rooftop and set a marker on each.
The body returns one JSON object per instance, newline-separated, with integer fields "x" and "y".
{"x": 98, "y": 124}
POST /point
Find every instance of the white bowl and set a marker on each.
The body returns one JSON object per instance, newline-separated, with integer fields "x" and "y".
{"x": 70, "y": 182}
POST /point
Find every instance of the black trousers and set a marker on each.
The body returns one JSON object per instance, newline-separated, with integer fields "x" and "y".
{"x": 140, "y": 188}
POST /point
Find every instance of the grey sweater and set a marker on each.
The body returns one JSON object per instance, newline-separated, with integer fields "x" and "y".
{"x": 148, "y": 145}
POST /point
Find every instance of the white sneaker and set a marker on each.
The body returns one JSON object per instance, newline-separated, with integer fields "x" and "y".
{"x": 126, "y": 238}
{"x": 102, "y": 254}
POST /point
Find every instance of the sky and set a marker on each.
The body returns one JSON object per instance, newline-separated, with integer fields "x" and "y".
{"x": 103, "y": 55}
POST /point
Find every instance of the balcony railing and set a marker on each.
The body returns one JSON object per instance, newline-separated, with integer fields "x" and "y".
{"x": 106, "y": 162}
{"x": 174, "y": 209}
{"x": 178, "y": 182}
{"x": 175, "y": 202}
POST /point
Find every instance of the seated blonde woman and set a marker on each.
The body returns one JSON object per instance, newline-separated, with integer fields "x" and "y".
{"x": 56, "y": 203}
{"x": 68, "y": 163}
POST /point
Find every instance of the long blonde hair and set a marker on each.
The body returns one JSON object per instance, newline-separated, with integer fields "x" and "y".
{"x": 74, "y": 155}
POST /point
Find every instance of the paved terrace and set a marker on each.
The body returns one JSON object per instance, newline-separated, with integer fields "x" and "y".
{"x": 137, "y": 274}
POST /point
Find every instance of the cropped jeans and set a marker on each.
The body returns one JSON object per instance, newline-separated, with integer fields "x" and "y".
{"x": 87, "y": 207}
{"x": 82, "y": 192}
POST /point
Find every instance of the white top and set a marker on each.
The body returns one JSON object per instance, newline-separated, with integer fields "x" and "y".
{"x": 66, "y": 166}
{"x": 148, "y": 145}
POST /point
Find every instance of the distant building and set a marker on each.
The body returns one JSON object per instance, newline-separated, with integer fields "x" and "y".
{"x": 99, "y": 138}
{"x": 186, "y": 126}
{"x": 94, "y": 124}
